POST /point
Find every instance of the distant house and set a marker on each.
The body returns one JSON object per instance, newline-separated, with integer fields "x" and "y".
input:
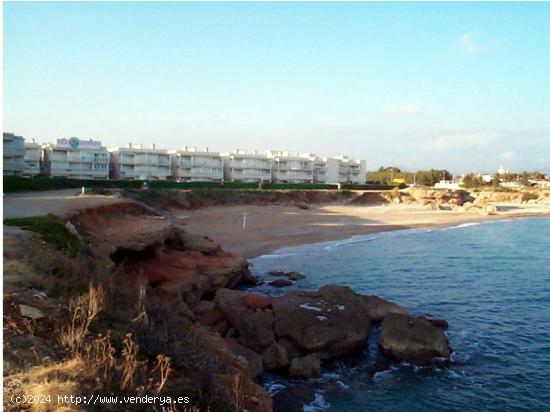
{"x": 32, "y": 158}
{"x": 447, "y": 184}
{"x": 76, "y": 158}
{"x": 288, "y": 168}
{"x": 240, "y": 166}
{"x": 138, "y": 163}
{"x": 14, "y": 155}
{"x": 191, "y": 164}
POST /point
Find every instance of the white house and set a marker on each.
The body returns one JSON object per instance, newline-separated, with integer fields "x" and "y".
{"x": 341, "y": 169}
{"x": 287, "y": 168}
{"x": 13, "y": 155}
{"x": 137, "y": 163}
{"x": 191, "y": 165}
{"x": 241, "y": 166}
{"x": 76, "y": 158}
{"x": 32, "y": 159}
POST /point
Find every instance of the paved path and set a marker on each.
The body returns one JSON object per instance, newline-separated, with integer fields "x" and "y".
{"x": 57, "y": 202}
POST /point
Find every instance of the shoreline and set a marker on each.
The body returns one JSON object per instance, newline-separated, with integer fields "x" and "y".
{"x": 271, "y": 228}
{"x": 274, "y": 253}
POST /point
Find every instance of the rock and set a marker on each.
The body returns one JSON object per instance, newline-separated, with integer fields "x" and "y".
{"x": 295, "y": 276}
{"x": 291, "y": 347}
{"x": 254, "y": 327}
{"x": 253, "y": 360}
{"x": 31, "y": 312}
{"x": 210, "y": 318}
{"x": 467, "y": 205}
{"x": 255, "y": 301}
{"x": 332, "y": 321}
{"x": 294, "y": 398}
{"x": 305, "y": 367}
{"x": 404, "y": 338}
{"x": 275, "y": 357}
{"x": 205, "y": 306}
{"x": 377, "y": 308}
{"x": 491, "y": 209}
{"x": 280, "y": 283}
{"x": 289, "y": 275}
{"x": 437, "y": 322}
{"x": 220, "y": 327}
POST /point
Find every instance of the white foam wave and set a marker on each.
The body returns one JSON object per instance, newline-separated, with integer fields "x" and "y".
{"x": 319, "y": 404}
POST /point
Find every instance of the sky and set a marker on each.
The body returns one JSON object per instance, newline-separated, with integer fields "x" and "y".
{"x": 461, "y": 86}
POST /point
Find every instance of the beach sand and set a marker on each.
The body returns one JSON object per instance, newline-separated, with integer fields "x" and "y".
{"x": 272, "y": 227}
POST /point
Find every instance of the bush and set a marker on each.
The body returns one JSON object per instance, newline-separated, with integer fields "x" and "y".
{"x": 24, "y": 184}
{"x": 50, "y": 229}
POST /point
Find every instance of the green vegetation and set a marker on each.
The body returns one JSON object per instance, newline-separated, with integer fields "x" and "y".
{"x": 384, "y": 176}
{"x": 24, "y": 184}
{"x": 51, "y": 229}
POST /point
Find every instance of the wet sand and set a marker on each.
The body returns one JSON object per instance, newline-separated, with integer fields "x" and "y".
{"x": 272, "y": 227}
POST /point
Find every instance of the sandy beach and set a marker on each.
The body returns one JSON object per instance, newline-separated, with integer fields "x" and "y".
{"x": 272, "y": 227}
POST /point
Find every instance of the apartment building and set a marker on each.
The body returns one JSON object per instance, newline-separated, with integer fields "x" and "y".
{"x": 240, "y": 166}
{"x": 191, "y": 164}
{"x": 13, "y": 154}
{"x": 76, "y": 158}
{"x": 32, "y": 159}
{"x": 341, "y": 169}
{"x": 287, "y": 168}
{"x": 137, "y": 163}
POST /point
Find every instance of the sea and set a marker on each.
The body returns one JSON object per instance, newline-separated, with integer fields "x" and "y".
{"x": 489, "y": 280}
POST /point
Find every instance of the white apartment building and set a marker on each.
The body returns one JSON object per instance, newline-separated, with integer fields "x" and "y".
{"x": 32, "y": 159}
{"x": 341, "y": 169}
{"x": 240, "y": 166}
{"x": 190, "y": 165}
{"x": 287, "y": 168}
{"x": 77, "y": 159}
{"x": 13, "y": 153}
{"x": 137, "y": 163}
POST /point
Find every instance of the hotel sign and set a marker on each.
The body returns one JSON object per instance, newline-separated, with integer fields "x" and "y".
{"x": 76, "y": 143}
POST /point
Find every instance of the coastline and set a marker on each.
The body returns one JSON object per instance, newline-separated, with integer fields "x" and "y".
{"x": 271, "y": 228}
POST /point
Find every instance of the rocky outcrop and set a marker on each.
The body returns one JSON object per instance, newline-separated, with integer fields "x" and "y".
{"x": 280, "y": 283}
{"x": 290, "y": 275}
{"x": 254, "y": 327}
{"x": 293, "y": 398}
{"x": 332, "y": 321}
{"x": 405, "y": 338}
{"x": 305, "y": 367}
{"x": 253, "y": 360}
{"x": 275, "y": 357}
{"x": 377, "y": 308}
{"x": 294, "y": 333}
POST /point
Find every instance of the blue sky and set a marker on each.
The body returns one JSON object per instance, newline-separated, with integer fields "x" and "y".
{"x": 459, "y": 85}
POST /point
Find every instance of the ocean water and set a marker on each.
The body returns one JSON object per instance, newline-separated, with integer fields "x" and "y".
{"x": 491, "y": 281}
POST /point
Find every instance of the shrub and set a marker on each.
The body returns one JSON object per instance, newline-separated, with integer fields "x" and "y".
{"x": 50, "y": 229}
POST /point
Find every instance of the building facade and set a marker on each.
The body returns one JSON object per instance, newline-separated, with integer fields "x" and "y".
{"x": 13, "y": 155}
{"x": 191, "y": 165}
{"x": 32, "y": 159}
{"x": 75, "y": 158}
{"x": 340, "y": 169}
{"x": 247, "y": 167}
{"x": 136, "y": 163}
{"x": 287, "y": 168}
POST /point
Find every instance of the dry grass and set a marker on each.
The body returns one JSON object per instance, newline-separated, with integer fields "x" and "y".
{"x": 238, "y": 393}
{"x": 82, "y": 310}
{"x": 58, "y": 379}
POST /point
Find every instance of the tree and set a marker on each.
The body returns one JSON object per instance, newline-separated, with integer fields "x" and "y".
{"x": 471, "y": 180}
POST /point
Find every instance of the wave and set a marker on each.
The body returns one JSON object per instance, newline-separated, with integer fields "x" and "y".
{"x": 319, "y": 404}
{"x": 319, "y": 247}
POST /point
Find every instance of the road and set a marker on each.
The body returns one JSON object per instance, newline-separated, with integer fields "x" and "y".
{"x": 57, "y": 202}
